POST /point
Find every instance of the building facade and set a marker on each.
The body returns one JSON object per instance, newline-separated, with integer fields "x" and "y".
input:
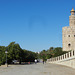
{"x": 68, "y": 33}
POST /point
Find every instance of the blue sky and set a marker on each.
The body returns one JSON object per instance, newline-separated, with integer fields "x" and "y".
{"x": 34, "y": 24}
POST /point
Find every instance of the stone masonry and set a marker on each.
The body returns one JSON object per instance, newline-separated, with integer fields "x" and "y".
{"x": 68, "y": 33}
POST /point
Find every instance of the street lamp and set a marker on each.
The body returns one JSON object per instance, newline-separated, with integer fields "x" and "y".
{"x": 0, "y": 57}
{"x": 6, "y": 58}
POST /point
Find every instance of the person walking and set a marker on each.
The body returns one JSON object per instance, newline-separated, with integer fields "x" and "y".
{"x": 35, "y": 61}
{"x": 43, "y": 61}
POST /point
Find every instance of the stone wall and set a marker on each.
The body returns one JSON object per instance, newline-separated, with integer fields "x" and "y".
{"x": 67, "y": 59}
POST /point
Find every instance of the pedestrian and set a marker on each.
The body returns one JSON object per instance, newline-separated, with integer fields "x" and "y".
{"x": 43, "y": 61}
{"x": 29, "y": 62}
{"x": 35, "y": 61}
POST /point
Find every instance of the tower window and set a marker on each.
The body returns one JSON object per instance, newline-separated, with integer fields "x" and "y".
{"x": 74, "y": 35}
{"x": 69, "y": 45}
{"x": 68, "y": 35}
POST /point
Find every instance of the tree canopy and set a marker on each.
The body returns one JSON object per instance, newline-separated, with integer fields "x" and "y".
{"x": 15, "y": 52}
{"x": 51, "y": 52}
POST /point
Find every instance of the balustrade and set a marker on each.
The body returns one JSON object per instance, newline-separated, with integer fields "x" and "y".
{"x": 74, "y": 52}
{"x": 69, "y": 54}
{"x": 66, "y": 55}
{"x": 59, "y": 57}
{"x": 62, "y": 57}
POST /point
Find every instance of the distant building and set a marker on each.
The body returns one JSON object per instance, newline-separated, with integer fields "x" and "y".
{"x": 68, "y": 33}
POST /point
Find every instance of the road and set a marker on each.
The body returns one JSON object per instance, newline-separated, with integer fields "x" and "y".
{"x": 37, "y": 69}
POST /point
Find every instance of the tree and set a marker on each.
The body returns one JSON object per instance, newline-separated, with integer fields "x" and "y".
{"x": 51, "y": 52}
{"x": 43, "y": 55}
{"x": 58, "y": 51}
{"x": 2, "y": 54}
{"x": 14, "y": 52}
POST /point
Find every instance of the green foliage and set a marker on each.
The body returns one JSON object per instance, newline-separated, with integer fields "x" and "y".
{"x": 28, "y": 56}
{"x": 15, "y": 52}
{"x": 51, "y": 52}
{"x": 58, "y": 51}
{"x": 2, "y": 54}
{"x": 43, "y": 55}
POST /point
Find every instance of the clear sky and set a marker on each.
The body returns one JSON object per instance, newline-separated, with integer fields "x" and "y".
{"x": 34, "y": 24}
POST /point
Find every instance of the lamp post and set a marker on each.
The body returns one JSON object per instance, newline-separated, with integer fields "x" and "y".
{"x": 0, "y": 58}
{"x": 6, "y": 58}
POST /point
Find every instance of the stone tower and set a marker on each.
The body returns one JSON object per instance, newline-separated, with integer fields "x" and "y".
{"x": 68, "y": 33}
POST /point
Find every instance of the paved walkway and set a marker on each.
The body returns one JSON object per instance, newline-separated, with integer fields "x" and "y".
{"x": 37, "y": 69}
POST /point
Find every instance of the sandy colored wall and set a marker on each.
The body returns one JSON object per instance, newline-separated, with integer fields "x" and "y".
{"x": 67, "y": 59}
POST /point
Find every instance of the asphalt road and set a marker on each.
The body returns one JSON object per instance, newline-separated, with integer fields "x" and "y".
{"x": 37, "y": 69}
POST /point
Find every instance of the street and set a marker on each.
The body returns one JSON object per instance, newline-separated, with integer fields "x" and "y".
{"x": 37, "y": 69}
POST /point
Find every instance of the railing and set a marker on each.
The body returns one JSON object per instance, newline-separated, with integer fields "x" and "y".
{"x": 67, "y": 56}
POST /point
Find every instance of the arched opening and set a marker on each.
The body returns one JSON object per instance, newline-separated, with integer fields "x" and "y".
{"x": 68, "y": 35}
{"x": 73, "y": 53}
{"x": 69, "y": 45}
